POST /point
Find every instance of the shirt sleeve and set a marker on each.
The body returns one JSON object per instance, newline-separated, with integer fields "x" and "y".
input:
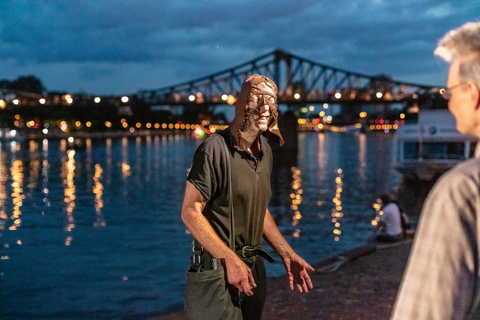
{"x": 206, "y": 172}
{"x": 441, "y": 272}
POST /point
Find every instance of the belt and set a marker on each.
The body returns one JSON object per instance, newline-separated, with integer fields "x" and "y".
{"x": 248, "y": 252}
{"x": 201, "y": 258}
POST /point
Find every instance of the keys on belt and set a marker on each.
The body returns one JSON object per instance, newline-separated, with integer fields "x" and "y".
{"x": 202, "y": 259}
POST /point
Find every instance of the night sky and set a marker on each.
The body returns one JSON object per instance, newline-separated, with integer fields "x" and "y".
{"x": 122, "y": 46}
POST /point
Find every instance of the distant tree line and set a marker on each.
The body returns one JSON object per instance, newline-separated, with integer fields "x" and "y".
{"x": 24, "y": 83}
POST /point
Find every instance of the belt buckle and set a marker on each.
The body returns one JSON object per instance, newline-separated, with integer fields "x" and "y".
{"x": 248, "y": 252}
{"x": 243, "y": 252}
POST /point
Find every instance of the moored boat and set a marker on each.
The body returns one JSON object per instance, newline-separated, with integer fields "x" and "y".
{"x": 431, "y": 146}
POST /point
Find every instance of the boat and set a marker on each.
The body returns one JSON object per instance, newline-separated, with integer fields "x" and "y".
{"x": 431, "y": 146}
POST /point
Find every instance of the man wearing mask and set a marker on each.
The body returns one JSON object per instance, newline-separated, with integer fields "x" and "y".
{"x": 205, "y": 206}
{"x": 442, "y": 278}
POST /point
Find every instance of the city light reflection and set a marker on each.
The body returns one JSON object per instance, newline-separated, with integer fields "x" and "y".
{"x": 321, "y": 153}
{"x": 3, "y": 193}
{"x": 362, "y": 156}
{"x": 137, "y": 159}
{"x": 17, "y": 193}
{"x": 68, "y": 175}
{"x": 108, "y": 152}
{"x": 296, "y": 198}
{"x": 337, "y": 213}
{"x": 45, "y": 170}
{"x": 125, "y": 166}
{"x": 45, "y": 190}
{"x": 34, "y": 166}
{"x": 148, "y": 159}
{"x": 98, "y": 191}
{"x": 126, "y": 170}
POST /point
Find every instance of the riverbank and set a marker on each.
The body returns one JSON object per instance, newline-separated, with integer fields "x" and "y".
{"x": 363, "y": 286}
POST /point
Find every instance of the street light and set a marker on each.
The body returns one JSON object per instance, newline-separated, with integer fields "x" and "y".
{"x": 231, "y": 100}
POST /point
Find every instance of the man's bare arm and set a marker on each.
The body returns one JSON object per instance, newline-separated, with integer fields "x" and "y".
{"x": 297, "y": 268}
{"x": 238, "y": 273}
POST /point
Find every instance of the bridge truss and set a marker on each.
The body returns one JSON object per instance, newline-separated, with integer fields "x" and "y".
{"x": 300, "y": 81}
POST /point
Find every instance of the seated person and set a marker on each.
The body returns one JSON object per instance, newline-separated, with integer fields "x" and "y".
{"x": 389, "y": 224}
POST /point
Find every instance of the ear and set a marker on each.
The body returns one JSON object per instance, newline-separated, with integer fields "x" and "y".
{"x": 474, "y": 91}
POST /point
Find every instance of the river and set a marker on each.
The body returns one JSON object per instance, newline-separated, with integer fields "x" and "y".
{"x": 95, "y": 233}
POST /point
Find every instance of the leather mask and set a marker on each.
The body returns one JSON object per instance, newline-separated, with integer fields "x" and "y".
{"x": 256, "y": 91}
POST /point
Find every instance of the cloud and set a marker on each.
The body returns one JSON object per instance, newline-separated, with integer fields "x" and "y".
{"x": 104, "y": 39}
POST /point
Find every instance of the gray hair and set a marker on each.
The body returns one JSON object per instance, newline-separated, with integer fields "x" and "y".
{"x": 463, "y": 43}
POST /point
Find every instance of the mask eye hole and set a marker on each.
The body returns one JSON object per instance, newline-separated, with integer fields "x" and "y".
{"x": 262, "y": 99}
{"x": 268, "y": 99}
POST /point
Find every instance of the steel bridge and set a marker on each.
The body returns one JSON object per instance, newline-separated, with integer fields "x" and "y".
{"x": 300, "y": 81}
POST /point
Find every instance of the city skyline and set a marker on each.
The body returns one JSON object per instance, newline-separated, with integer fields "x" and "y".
{"x": 120, "y": 47}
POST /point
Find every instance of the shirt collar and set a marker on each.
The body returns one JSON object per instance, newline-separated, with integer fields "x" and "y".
{"x": 231, "y": 144}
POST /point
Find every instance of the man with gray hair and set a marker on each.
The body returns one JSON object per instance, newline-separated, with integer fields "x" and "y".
{"x": 442, "y": 278}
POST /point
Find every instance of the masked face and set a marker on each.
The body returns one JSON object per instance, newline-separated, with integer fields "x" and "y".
{"x": 256, "y": 111}
{"x": 261, "y": 107}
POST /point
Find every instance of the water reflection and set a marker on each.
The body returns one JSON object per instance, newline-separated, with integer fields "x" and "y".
{"x": 337, "y": 213}
{"x": 68, "y": 175}
{"x": 17, "y": 194}
{"x": 98, "y": 191}
{"x": 45, "y": 174}
{"x": 3, "y": 192}
{"x": 362, "y": 156}
{"x": 108, "y": 151}
{"x": 34, "y": 166}
{"x": 321, "y": 153}
{"x": 125, "y": 166}
{"x": 296, "y": 197}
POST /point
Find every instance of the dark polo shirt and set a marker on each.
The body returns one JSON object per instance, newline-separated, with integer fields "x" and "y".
{"x": 250, "y": 186}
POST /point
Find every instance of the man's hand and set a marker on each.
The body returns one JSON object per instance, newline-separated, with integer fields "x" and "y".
{"x": 240, "y": 275}
{"x": 297, "y": 270}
